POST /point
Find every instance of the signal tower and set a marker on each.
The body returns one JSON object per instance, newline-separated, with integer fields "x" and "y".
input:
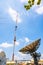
{"x": 14, "y": 38}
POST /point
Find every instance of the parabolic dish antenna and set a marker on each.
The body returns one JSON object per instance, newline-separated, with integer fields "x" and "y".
{"x": 31, "y": 47}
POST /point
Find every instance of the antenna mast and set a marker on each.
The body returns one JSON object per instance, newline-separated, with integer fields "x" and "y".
{"x": 15, "y": 37}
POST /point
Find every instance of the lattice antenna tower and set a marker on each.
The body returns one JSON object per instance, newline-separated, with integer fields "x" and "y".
{"x": 15, "y": 38}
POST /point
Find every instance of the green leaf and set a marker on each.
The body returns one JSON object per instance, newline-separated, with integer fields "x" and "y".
{"x": 39, "y": 1}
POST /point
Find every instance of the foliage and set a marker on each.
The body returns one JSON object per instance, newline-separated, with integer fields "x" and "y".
{"x": 31, "y": 3}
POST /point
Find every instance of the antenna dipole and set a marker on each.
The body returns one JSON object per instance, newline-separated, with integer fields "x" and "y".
{"x": 15, "y": 37}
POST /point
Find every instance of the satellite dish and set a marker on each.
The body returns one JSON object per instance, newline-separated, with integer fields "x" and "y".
{"x": 31, "y": 47}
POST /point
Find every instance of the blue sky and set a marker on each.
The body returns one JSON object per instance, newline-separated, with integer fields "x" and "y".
{"x": 30, "y": 26}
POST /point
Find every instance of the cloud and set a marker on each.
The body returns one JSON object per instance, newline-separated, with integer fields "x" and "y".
{"x": 17, "y": 43}
{"x": 16, "y": 57}
{"x": 21, "y": 54}
{"x": 1, "y": 50}
{"x": 23, "y": 1}
{"x": 6, "y": 45}
{"x": 39, "y": 10}
{"x": 27, "y": 39}
{"x": 13, "y": 13}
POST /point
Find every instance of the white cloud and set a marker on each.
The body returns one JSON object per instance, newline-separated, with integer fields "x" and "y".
{"x": 39, "y": 10}
{"x": 27, "y": 39}
{"x": 13, "y": 13}
{"x": 16, "y": 57}
{"x": 17, "y": 43}
{"x": 1, "y": 50}
{"x": 24, "y": 56}
{"x": 6, "y": 45}
{"x": 23, "y": 1}
{"x": 21, "y": 54}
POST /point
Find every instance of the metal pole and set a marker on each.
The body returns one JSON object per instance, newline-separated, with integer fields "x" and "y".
{"x": 14, "y": 38}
